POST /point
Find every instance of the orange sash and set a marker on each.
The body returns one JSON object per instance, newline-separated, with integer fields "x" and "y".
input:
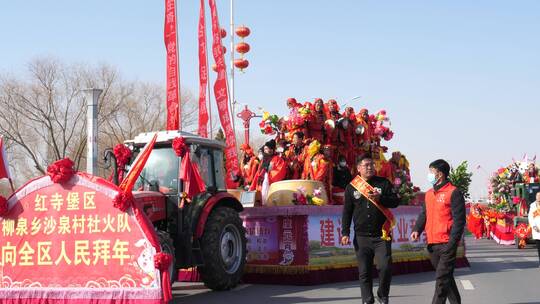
{"x": 364, "y": 188}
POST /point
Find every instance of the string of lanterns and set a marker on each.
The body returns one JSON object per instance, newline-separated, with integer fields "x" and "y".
{"x": 242, "y": 47}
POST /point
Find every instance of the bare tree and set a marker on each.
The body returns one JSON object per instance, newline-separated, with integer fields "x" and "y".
{"x": 43, "y": 115}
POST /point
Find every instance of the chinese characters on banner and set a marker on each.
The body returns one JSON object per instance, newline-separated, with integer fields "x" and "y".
{"x": 171, "y": 46}
{"x": 277, "y": 240}
{"x": 327, "y": 229}
{"x": 262, "y": 240}
{"x": 203, "y": 75}
{"x": 222, "y": 98}
{"x": 73, "y": 236}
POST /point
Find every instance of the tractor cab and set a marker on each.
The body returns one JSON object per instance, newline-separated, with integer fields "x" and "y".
{"x": 206, "y": 232}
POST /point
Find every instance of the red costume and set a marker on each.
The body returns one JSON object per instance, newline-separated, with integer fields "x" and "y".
{"x": 295, "y": 121}
{"x": 295, "y": 157}
{"x": 331, "y": 110}
{"x": 363, "y": 132}
{"x": 320, "y": 168}
{"x": 275, "y": 167}
{"x": 316, "y": 123}
{"x": 250, "y": 163}
{"x": 345, "y": 139}
{"x": 475, "y": 222}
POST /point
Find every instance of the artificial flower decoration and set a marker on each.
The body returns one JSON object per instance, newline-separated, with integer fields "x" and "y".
{"x": 179, "y": 146}
{"x": 313, "y": 148}
{"x": 122, "y": 154}
{"x": 269, "y": 123}
{"x": 162, "y": 261}
{"x": 61, "y": 171}
{"x": 123, "y": 201}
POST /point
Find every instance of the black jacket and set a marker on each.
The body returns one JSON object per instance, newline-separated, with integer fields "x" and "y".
{"x": 368, "y": 219}
{"x": 341, "y": 177}
{"x": 457, "y": 205}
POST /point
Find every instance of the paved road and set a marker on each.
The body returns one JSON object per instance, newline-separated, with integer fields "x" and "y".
{"x": 498, "y": 275}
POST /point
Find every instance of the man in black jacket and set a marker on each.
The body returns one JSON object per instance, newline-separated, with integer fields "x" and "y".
{"x": 368, "y": 224}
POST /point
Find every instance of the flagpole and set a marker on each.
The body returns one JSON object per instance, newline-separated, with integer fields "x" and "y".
{"x": 178, "y": 66}
{"x": 208, "y": 82}
{"x": 11, "y": 184}
{"x": 232, "y": 100}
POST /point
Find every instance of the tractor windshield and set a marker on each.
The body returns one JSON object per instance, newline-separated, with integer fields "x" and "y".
{"x": 160, "y": 172}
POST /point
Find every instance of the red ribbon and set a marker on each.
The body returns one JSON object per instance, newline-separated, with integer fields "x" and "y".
{"x": 222, "y": 99}
{"x": 4, "y": 207}
{"x": 173, "y": 98}
{"x": 203, "y": 75}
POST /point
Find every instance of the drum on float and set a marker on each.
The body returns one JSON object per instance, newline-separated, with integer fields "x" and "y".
{"x": 281, "y": 193}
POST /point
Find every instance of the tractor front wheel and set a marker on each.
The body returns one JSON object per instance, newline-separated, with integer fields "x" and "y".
{"x": 167, "y": 246}
{"x": 223, "y": 249}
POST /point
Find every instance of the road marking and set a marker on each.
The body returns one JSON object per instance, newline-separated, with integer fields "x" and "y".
{"x": 467, "y": 285}
{"x": 242, "y": 287}
{"x": 464, "y": 269}
{"x": 494, "y": 260}
{"x": 531, "y": 259}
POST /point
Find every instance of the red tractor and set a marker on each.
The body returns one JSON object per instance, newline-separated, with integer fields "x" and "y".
{"x": 207, "y": 233}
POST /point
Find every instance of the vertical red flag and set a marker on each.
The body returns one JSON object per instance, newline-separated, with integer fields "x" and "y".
{"x": 203, "y": 75}
{"x": 222, "y": 98}
{"x": 173, "y": 96}
{"x": 4, "y": 168}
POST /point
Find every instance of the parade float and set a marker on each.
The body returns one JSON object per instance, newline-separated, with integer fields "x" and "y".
{"x": 512, "y": 189}
{"x": 293, "y": 226}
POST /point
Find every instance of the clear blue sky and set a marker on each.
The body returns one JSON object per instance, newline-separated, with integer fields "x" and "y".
{"x": 460, "y": 79}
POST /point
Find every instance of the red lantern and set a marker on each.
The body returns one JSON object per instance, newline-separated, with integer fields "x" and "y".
{"x": 242, "y": 47}
{"x": 241, "y": 63}
{"x": 223, "y": 33}
{"x": 214, "y": 67}
{"x": 242, "y": 31}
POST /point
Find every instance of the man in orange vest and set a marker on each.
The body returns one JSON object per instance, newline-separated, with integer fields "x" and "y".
{"x": 443, "y": 219}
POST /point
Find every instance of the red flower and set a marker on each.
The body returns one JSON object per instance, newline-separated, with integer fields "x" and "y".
{"x": 162, "y": 261}
{"x": 179, "y": 146}
{"x": 388, "y": 135}
{"x": 123, "y": 201}
{"x": 4, "y": 207}
{"x": 61, "y": 171}
{"x": 122, "y": 154}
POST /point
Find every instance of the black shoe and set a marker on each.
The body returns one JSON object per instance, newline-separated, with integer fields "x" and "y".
{"x": 381, "y": 300}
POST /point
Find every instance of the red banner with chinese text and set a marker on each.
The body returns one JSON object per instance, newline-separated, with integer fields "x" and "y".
{"x": 68, "y": 243}
{"x": 173, "y": 96}
{"x": 222, "y": 98}
{"x": 203, "y": 75}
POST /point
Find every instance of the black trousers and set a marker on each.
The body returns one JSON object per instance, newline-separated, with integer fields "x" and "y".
{"x": 368, "y": 248}
{"x": 538, "y": 247}
{"x": 443, "y": 260}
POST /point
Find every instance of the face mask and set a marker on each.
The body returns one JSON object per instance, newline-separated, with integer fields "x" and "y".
{"x": 343, "y": 164}
{"x": 432, "y": 179}
{"x": 260, "y": 156}
{"x": 279, "y": 150}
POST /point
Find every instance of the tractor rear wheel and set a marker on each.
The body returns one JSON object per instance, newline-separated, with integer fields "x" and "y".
{"x": 223, "y": 249}
{"x": 167, "y": 246}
